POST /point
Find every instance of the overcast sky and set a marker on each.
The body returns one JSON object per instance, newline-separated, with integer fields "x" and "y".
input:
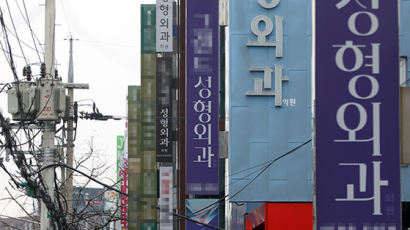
{"x": 107, "y": 56}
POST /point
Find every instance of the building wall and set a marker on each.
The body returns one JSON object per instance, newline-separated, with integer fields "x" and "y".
{"x": 405, "y": 51}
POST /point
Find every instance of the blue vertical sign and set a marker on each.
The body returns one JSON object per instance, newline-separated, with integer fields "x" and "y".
{"x": 357, "y": 115}
{"x": 202, "y": 90}
{"x": 270, "y": 100}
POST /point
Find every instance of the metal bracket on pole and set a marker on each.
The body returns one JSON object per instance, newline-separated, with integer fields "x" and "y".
{"x": 49, "y": 155}
{"x": 31, "y": 126}
{"x": 76, "y": 85}
{"x": 48, "y": 127}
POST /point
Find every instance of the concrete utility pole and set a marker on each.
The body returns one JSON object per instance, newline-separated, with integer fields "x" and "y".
{"x": 49, "y": 45}
{"x": 70, "y": 129}
{"x": 70, "y": 137}
{"x": 49, "y": 125}
{"x": 48, "y": 99}
{"x": 48, "y": 174}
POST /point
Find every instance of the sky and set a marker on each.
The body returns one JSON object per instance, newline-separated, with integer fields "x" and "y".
{"x": 106, "y": 56}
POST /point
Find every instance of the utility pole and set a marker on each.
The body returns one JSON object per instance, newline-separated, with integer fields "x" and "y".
{"x": 48, "y": 125}
{"x": 48, "y": 150}
{"x": 47, "y": 98}
{"x": 70, "y": 129}
{"x": 70, "y": 136}
{"x": 48, "y": 105}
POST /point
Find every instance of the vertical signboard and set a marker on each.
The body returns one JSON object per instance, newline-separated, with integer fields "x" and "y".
{"x": 120, "y": 178}
{"x": 148, "y": 35}
{"x": 124, "y": 184}
{"x": 164, "y": 108}
{"x": 202, "y": 88}
{"x": 149, "y": 175}
{"x": 357, "y": 115}
{"x": 148, "y": 126}
{"x": 165, "y": 198}
{"x": 164, "y": 25}
{"x": 134, "y": 156}
{"x": 202, "y": 210}
{"x": 270, "y": 100}
{"x": 120, "y": 155}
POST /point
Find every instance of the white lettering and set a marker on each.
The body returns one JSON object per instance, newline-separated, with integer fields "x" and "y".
{"x": 373, "y": 27}
{"x": 267, "y": 5}
{"x": 373, "y": 81}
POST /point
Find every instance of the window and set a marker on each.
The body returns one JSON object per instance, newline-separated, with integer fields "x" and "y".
{"x": 403, "y": 72}
{"x": 406, "y": 215}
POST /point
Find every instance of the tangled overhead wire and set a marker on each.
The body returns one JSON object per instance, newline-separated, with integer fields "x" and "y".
{"x": 96, "y": 115}
{"x": 19, "y": 140}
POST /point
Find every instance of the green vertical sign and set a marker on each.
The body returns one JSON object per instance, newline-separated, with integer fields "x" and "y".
{"x": 148, "y": 35}
{"x": 134, "y": 157}
{"x": 149, "y": 177}
{"x": 120, "y": 157}
{"x": 148, "y": 139}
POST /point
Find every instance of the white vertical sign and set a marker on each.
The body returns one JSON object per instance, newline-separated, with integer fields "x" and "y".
{"x": 165, "y": 198}
{"x": 164, "y": 26}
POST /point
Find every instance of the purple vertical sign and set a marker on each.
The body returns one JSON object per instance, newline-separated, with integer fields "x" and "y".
{"x": 202, "y": 55}
{"x": 357, "y": 115}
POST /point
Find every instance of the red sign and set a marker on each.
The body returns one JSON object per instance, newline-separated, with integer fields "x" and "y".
{"x": 124, "y": 199}
{"x": 290, "y": 216}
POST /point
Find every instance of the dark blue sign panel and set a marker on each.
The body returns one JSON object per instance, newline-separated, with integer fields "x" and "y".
{"x": 357, "y": 115}
{"x": 202, "y": 210}
{"x": 202, "y": 90}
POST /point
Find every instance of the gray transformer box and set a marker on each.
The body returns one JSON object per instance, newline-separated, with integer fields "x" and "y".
{"x": 44, "y": 100}
{"x": 52, "y": 100}
{"x": 29, "y": 101}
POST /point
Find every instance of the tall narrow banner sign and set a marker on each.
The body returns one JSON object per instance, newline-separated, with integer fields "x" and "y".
{"x": 164, "y": 25}
{"x": 124, "y": 183}
{"x": 120, "y": 170}
{"x": 165, "y": 199}
{"x": 134, "y": 156}
{"x": 202, "y": 71}
{"x": 357, "y": 115}
{"x": 164, "y": 108}
{"x": 149, "y": 174}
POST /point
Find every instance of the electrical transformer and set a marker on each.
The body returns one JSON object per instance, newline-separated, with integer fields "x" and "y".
{"x": 51, "y": 99}
{"x": 28, "y": 94}
{"x": 44, "y": 100}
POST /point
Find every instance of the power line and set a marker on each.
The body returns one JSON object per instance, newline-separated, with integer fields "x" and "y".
{"x": 82, "y": 173}
{"x": 6, "y": 53}
{"x": 250, "y": 182}
{"x": 122, "y": 193}
{"x": 195, "y": 221}
{"x": 11, "y": 61}
{"x": 271, "y": 163}
{"x": 31, "y": 31}
{"x": 109, "y": 43}
{"x": 26, "y": 173}
{"x": 15, "y": 55}
{"x": 22, "y": 42}
{"x": 15, "y": 30}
